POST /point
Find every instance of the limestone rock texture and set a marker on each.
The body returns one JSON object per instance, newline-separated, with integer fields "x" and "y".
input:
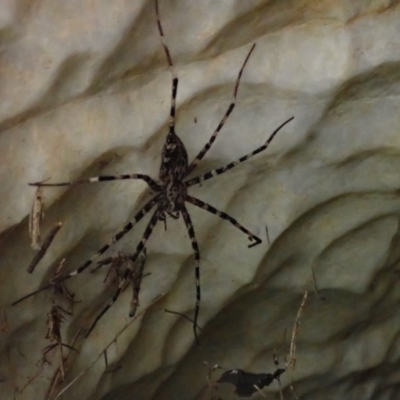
{"x": 85, "y": 91}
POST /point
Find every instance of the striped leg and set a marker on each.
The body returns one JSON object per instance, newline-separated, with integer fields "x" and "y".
{"x": 221, "y": 170}
{"x": 171, "y": 121}
{"x": 104, "y": 178}
{"x": 136, "y": 278}
{"x": 195, "y": 246}
{"x": 139, "y": 248}
{"x": 221, "y": 214}
{"x": 202, "y": 153}
{"x": 147, "y": 207}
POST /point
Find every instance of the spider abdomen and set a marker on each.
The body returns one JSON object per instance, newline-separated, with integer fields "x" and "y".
{"x": 174, "y": 159}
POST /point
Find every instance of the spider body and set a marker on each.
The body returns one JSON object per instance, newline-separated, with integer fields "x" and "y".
{"x": 174, "y": 160}
{"x": 171, "y": 193}
{"x": 175, "y": 194}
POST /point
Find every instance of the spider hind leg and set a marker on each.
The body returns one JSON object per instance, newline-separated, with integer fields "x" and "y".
{"x": 201, "y": 204}
{"x": 195, "y": 246}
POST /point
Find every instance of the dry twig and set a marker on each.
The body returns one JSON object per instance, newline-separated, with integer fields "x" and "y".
{"x": 109, "y": 344}
{"x": 43, "y": 248}
{"x": 212, "y": 386}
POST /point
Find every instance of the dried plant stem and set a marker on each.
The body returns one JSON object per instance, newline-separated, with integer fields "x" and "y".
{"x": 267, "y": 232}
{"x": 43, "y": 248}
{"x": 58, "y": 374}
{"x": 291, "y": 364}
{"x": 101, "y": 354}
{"x": 212, "y": 387}
{"x": 35, "y": 218}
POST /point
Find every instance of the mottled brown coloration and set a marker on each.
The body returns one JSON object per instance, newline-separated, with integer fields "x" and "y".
{"x": 291, "y": 359}
{"x": 55, "y": 317}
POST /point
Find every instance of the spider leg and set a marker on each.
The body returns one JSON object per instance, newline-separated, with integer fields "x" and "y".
{"x": 136, "y": 278}
{"x": 221, "y": 170}
{"x": 195, "y": 246}
{"x": 202, "y": 153}
{"x": 127, "y": 227}
{"x": 103, "y": 178}
{"x": 139, "y": 248}
{"x": 227, "y": 217}
{"x": 171, "y": 121}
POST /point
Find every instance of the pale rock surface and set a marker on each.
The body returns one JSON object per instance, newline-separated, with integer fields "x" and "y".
{"x": 85, "y": 90}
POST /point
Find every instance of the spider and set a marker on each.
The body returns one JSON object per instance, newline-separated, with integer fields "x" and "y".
{"x": 171, "y": 189}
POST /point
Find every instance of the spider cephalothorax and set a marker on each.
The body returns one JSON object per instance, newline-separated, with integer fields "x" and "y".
{"x": 171, "y": 193}
{"x": 174, "y": 165}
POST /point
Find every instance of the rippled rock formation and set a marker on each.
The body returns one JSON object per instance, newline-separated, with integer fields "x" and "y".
{"x": 85, "y": 91}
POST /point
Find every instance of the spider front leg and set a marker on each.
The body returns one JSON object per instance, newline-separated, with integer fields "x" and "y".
{"x": 139, "y": 248}
{"x": 154, "y": 186}
{"x": 225, "y": 216}
{"x": 221, "y": 170}
{"x": 127, "y": 227}
{"x": 203, "y": 152}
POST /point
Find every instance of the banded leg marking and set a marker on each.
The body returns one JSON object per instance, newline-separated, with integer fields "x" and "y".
{"x": 104, "y": 178}
{"x": 148, "y": 206}
{"x": 139, "y": 248}
{"x": 225, "y": 216}
{"x": 203, "y": 152}
{"x": 221, "y": 170}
